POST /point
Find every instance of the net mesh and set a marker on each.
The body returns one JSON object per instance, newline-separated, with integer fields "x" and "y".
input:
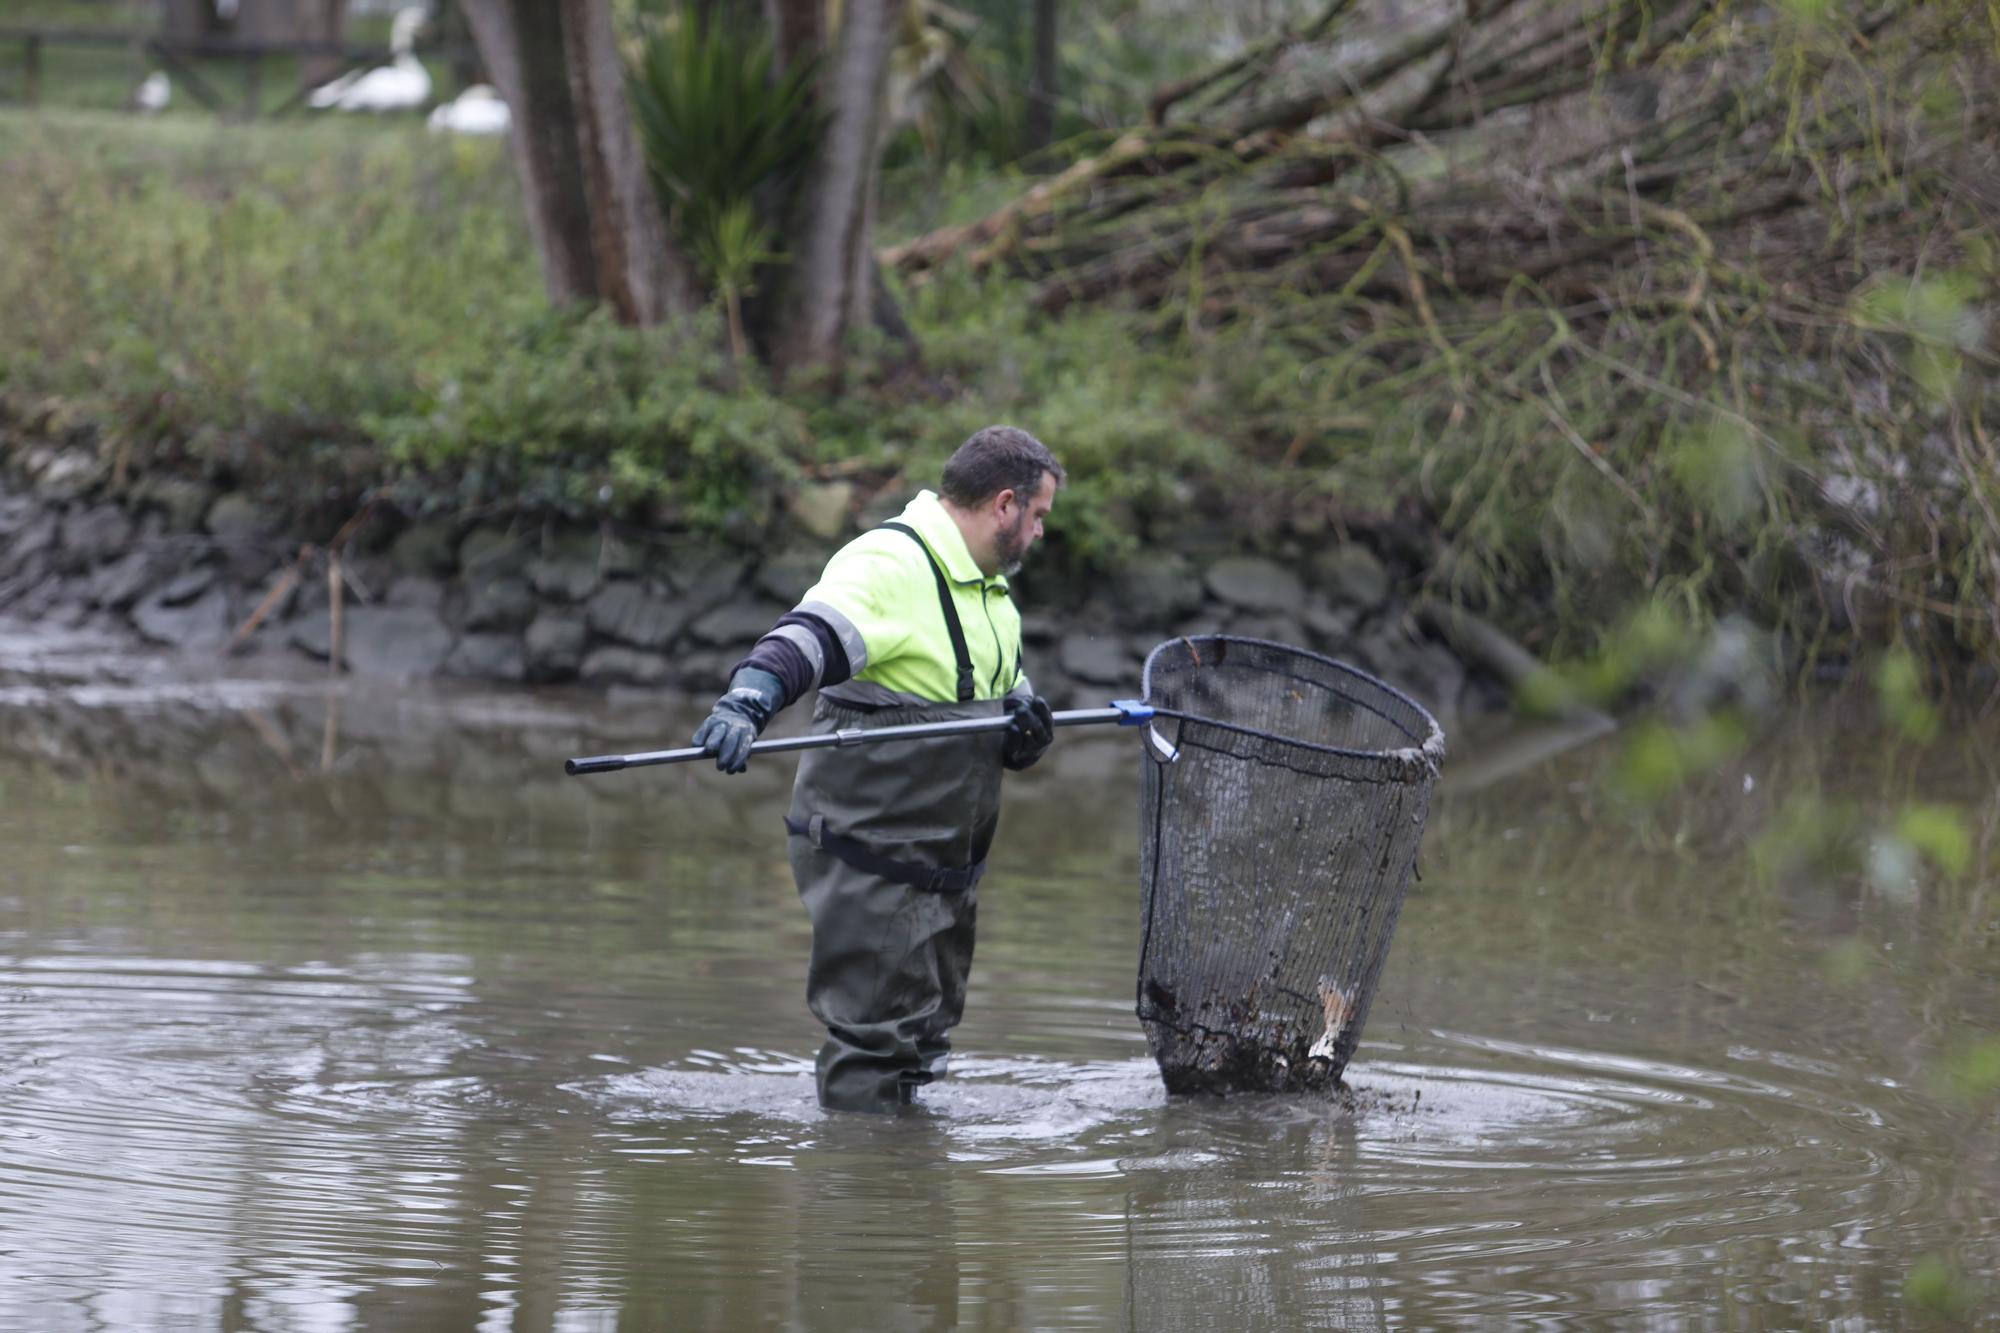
{"x": 1275, "y": 850}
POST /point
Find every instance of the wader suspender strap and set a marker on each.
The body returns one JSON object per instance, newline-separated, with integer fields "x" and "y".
{"x": 966, "y": 688}
{"x": 930, "y": 879}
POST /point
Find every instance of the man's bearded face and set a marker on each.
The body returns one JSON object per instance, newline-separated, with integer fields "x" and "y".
{"x": 1015, "y": 541}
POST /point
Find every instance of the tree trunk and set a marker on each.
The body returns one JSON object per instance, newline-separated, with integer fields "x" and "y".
{"x": 639, "y": 271}
{"x": 521, "y": 43}
{"x": 830, "y": 288}
{"x": 1041, "y": 120}
{"x": 800, "y": 28}
{"x": 590, "y": 205}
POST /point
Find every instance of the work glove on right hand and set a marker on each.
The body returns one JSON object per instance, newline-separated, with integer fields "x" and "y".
{"x": 738, "y": 718}
{"x": 1032, "y": 733}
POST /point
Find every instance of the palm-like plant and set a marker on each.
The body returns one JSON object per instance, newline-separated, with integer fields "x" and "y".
{"x": 732, "y": 249}
{"x": 719, "y": 129}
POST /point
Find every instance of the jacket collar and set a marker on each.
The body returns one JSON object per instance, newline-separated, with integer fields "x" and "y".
{"x": 940, "y": 532}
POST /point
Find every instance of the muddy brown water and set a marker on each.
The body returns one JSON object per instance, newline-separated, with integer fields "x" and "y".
{"x": 388, "y": 1024}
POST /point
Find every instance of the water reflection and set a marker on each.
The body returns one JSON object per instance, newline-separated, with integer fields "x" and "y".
{"x": 440, "y": 1038}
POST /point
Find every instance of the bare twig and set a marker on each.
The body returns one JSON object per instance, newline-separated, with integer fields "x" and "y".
{"x": 1552, "y": 407}
{"x": 275, "y": 743}
{"x": 279, "y": 591}
{"x": 293, "y": 576}
{"x": 335, "y": 585}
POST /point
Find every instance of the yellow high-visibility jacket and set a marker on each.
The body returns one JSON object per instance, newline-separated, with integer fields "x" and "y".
{"x": 879, "y": 595}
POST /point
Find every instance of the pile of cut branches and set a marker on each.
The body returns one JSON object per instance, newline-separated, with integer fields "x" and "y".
{"x": 1686, "y": 298}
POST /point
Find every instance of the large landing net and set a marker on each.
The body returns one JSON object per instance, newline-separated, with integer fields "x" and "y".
{"x": 1275, "y": 849}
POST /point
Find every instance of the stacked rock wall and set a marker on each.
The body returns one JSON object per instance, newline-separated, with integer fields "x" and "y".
{"x": 533, "y": 599}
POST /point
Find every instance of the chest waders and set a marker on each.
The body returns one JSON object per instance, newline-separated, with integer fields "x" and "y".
{"x": 888, "y": 845}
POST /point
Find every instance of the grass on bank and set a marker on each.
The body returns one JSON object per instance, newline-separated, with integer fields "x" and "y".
{"x": 360, "y": 303}
{"x": 363, "y": 301}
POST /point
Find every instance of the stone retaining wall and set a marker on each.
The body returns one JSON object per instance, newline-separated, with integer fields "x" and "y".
{"x": 183, "y": 565}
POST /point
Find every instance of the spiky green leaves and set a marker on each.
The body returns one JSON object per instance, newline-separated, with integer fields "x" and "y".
{"x": 724, "y": 135}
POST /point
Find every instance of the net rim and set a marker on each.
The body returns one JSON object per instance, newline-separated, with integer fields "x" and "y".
{"x": 1429, "y": 749}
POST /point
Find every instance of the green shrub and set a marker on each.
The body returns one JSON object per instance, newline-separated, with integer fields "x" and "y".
{"x": 574, "y": 410}
{"x": 187, "y": 275}
{"x": 365, "y": 301}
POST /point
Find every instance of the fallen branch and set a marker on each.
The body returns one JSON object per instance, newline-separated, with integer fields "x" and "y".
{"x": 295, "y": 574}
{"x": 280, "y": 590}
{"x": 1259, "y": 56}
{"x": 1660, "y": 251}
{"x": 1490, "y": 649}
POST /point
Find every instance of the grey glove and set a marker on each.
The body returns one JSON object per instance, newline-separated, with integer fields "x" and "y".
{"x": 1032, "y": 733}
{"x": 738, "y": 718}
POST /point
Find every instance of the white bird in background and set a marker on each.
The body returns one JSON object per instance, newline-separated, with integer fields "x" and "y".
{"x": 152, "y": 94}
{"x": 478, "y": 110}
{"x": 401, "y": 85}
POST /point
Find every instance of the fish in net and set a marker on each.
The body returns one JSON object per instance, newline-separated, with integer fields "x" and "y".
{"x": 1282, "y": 801}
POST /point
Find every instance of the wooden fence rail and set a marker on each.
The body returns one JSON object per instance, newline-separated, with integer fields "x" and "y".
{"x": 176, "y": 56}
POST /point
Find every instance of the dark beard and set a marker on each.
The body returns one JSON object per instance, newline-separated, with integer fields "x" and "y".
{"x": 1013, "y": 547}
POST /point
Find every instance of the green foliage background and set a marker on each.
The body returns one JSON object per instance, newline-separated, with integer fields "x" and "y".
{"x": 356, "y": 305}
{"x": 364, "y": 304}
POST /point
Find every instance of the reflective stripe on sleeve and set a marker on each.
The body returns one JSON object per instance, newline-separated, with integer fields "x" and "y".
{"x": 806, "y": 642}
{"x": 844, "y": 630}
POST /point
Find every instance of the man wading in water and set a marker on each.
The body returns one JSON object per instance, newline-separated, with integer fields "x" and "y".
{"x": 910, "y": 623}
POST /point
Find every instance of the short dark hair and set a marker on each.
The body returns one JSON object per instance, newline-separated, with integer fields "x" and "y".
{"x": 997, "y": 459}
